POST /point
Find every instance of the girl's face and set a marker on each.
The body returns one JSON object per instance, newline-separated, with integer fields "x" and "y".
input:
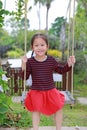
{"x": 40, "y": 47}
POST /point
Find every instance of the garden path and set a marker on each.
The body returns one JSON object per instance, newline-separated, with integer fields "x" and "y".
{"x": 48, "y": 128}
{"x": 82, "y": 100}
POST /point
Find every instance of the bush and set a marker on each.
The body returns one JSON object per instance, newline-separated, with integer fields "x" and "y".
{"x": 80, "y": 65}
{"x": 55, "y": 53}
{"x": 16, "y": 53}
{"x": 4, "y": 99}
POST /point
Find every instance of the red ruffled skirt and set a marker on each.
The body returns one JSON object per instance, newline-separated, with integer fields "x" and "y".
{"x": 46, "y": 102}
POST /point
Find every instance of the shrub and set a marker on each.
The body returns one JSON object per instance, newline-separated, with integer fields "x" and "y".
{"x": 15, "y": 53}
{"x": 4, "y": 99}
{"x": 55, "y": 53}
{"x": 80, "y": 65}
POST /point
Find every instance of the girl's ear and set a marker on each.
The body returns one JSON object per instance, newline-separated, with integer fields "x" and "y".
{"x": 31, "y": 47}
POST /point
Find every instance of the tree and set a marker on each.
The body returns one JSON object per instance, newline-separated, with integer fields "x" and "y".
{"x": 22, "y": 22}
{"x": 13, "y": 24}
{"x": 3, "y": 12}
{"x": 83, "y": 4}
{"x": 80, "y": 25}
{"x": 56, "y": 26}
{"x": 6, "y": 42}
{"x": 39, "y": 2}
{"x": 46, "y": 3}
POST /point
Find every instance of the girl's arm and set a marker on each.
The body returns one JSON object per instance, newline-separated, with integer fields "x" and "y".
{"x": 25, "y": 67}
{"x": 24, "y": 60}
{"x": 63, "y": 68}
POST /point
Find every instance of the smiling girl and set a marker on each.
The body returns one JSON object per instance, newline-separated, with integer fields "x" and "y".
{"x": 44, "y": 98}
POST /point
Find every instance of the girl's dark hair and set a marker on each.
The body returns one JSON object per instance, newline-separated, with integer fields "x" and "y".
{"x": 37, "y": 35}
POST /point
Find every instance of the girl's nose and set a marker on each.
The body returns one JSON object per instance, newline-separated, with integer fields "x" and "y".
{"x": 39, "y": 47}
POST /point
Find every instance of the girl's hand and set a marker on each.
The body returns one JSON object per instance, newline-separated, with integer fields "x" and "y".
{"x": 71, "y": 60}
{"x": 24, "y": 60}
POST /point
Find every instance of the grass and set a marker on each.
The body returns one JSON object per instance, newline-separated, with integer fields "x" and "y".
{"x": 75, "y": 116}
{"x": 72, "y": 117}
{"x": 80, "y": 89}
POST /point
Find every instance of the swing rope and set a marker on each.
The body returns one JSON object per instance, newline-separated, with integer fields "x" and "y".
{"x": 25, "y": 42}
{"x": 71, "y": 26}
{"x": 73, "y": 40}
{"x": 69, "y": 8}
{"x": 69, "y": 38}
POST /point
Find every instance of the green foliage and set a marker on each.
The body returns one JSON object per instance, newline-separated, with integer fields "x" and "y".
{"x": 81, "y": 24}
{"x": 4, "y": 99}
{"x": 56, "y": 26}
{"x": 80, "y": 83}
{"x": 17, "y": 26}
{"x": 6, "y": 42}
{"x": 75, "y": 116}
{"x": 80, "y": 65}
{"x": 85, "y": 52}
{"x": 16, "y": 53}
{"x": 23, "y": 23}
{"x": 55, "y": 53}
{"x": 20, "y": 9}
{"x": 3, "y": 12}
{"x": 54, "y": 42}
{"x": 5, "y": 38}
{"x": 20, "y": 39}
{"x": 71, "y": 117}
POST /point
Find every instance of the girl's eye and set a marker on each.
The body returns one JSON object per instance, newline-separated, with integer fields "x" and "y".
{"x": 36, "y": 45}
{"x": 42, "y": 44}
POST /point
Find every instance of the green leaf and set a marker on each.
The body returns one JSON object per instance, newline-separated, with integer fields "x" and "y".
{"x": 3, "y": 108}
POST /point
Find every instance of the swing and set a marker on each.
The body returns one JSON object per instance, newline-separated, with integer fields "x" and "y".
{"x": 69, "y": 99}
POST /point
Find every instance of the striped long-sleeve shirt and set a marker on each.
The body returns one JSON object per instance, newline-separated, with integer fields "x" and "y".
{"x": 42, "y": 72}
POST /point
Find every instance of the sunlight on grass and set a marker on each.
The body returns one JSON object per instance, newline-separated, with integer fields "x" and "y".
{"x": 75, "y": 116}
{"x": 72, "y": 117}
{"x": 21, "y": 118}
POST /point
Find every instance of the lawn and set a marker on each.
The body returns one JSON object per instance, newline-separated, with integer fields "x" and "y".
{"x": 20, "y": 117}
{"x": 72, "y": 117}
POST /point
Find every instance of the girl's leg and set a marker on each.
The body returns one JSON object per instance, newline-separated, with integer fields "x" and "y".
{"x": 35, "y": 120}
{"x": 58, "y": 119}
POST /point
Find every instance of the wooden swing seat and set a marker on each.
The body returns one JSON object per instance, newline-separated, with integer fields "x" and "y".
{"x": 69, "y": 99}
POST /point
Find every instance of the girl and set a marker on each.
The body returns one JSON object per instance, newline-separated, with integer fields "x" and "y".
{"x": 44, "y": 97}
